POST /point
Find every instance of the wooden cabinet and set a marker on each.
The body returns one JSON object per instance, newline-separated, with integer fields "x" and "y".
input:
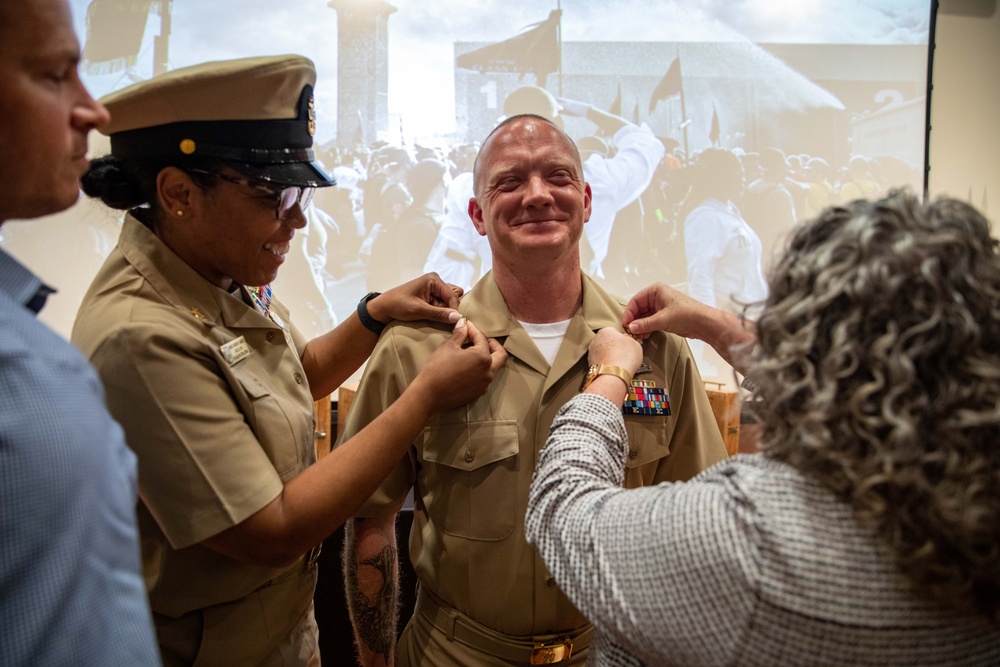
{"x": 726, "y": 407}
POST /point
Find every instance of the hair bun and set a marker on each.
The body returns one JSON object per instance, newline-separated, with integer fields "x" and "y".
{"x": 108, "y": 180}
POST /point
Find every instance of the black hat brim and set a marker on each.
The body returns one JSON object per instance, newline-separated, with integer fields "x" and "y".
{"x": 302, "y": 174}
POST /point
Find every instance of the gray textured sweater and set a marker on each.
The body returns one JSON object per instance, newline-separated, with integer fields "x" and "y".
{"x": 750, "y": 563}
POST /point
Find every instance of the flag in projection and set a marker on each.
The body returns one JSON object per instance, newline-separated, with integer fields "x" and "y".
{"x": 536, "y": 50}
{"x": 713, "y": 134}
{"x": 668, "y": 86}
{"x": 114, "y": 33}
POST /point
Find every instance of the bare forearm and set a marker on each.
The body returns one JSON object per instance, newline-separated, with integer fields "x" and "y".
{"x": 330, "y": 359}
{"x": 610, "y": 387}
{"x": 371, "y": 577}
{"x": 322, "y": 498}
{"x": 729, "y": 335}
{"x": 314, "y": 504}
{"x": 317, "y": 502}
{"x": 664, "y": 308}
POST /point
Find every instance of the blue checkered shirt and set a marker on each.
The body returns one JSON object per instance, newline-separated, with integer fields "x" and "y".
{"x": 71, "y": 588}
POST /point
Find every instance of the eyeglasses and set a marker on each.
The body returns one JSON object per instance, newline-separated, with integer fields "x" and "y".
{"x": 286, "y": 197}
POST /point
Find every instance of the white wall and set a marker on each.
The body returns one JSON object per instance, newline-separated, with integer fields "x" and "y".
{"x": 965, "y": 105}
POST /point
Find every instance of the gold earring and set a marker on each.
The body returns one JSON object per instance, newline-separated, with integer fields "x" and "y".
{"x": 180, "y": 213}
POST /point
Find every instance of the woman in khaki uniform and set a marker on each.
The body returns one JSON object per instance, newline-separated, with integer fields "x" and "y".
{"x": 212, "y": 383}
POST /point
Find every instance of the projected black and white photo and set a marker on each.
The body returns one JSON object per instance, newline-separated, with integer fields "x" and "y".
{"x": 708, "y": 129}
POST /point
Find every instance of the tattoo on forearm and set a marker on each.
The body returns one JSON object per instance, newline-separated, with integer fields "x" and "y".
{"x": 375, "y": 620}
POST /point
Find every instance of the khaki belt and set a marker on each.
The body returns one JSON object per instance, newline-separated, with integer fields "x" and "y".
{"x": 537, "y": 650}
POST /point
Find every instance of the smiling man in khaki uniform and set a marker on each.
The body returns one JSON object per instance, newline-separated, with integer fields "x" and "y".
{"x": 485, "y": 596}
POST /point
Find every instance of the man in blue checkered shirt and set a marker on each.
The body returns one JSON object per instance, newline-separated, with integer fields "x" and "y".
{"x": 71, "y": 590}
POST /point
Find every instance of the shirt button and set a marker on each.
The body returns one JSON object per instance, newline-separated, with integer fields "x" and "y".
{"x": 551, "y": 581}
{"x": 469, "y": 456}
{"x": 298, "y": 378}
{"x": 269, "y": 336}
{"x": 633, "y": 454}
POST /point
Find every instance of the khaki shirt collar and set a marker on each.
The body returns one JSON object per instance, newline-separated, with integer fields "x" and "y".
{"x": 184, "y": 288}
{"x": 485, "y": 307}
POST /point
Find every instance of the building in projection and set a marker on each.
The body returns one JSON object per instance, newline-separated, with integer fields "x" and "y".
{"x": 831, "y": 101}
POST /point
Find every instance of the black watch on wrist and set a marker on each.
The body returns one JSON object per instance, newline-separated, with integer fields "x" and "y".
{"x": 367, "y": 320}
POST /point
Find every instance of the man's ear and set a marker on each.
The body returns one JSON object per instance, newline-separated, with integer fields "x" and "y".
{"x": 587, "y": 198}
{"x": 476, "y": 213}
{"x": 177, "y": 194}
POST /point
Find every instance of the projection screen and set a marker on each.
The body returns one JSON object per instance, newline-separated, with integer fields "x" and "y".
{"x": 816, "y": 102}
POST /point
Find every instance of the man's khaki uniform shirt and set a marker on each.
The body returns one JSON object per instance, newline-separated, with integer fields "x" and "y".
{"x": 218, "y": 428}
{"x": 471, "y": 467}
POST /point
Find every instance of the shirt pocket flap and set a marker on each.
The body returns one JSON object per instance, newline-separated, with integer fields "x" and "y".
{"x": 647, "y": 441}
{"x": 253, "y": 386}
{"x": 470, "y": 446}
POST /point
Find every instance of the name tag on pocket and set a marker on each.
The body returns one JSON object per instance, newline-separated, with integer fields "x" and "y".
{"x": 235, "y": 350}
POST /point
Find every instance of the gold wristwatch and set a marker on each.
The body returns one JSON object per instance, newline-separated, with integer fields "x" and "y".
{"x": 606, "y": 369}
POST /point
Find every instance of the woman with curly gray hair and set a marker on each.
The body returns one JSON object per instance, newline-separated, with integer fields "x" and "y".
{"x": 866, "y": 533}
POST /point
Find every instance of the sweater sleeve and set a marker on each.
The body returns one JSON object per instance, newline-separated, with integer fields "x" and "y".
{"x": 666, "y": 573}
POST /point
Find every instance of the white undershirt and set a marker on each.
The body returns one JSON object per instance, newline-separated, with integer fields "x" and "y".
{"x": 547, "y": 337}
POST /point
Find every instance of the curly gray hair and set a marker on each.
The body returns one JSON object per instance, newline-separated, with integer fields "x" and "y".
{"x": 878, "y": 368}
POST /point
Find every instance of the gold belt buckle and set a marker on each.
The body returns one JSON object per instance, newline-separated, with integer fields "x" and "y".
{"x": 546, "y": 654}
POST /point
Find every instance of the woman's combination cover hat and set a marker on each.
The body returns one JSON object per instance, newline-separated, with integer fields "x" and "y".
{"x": 255, "y": 113}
